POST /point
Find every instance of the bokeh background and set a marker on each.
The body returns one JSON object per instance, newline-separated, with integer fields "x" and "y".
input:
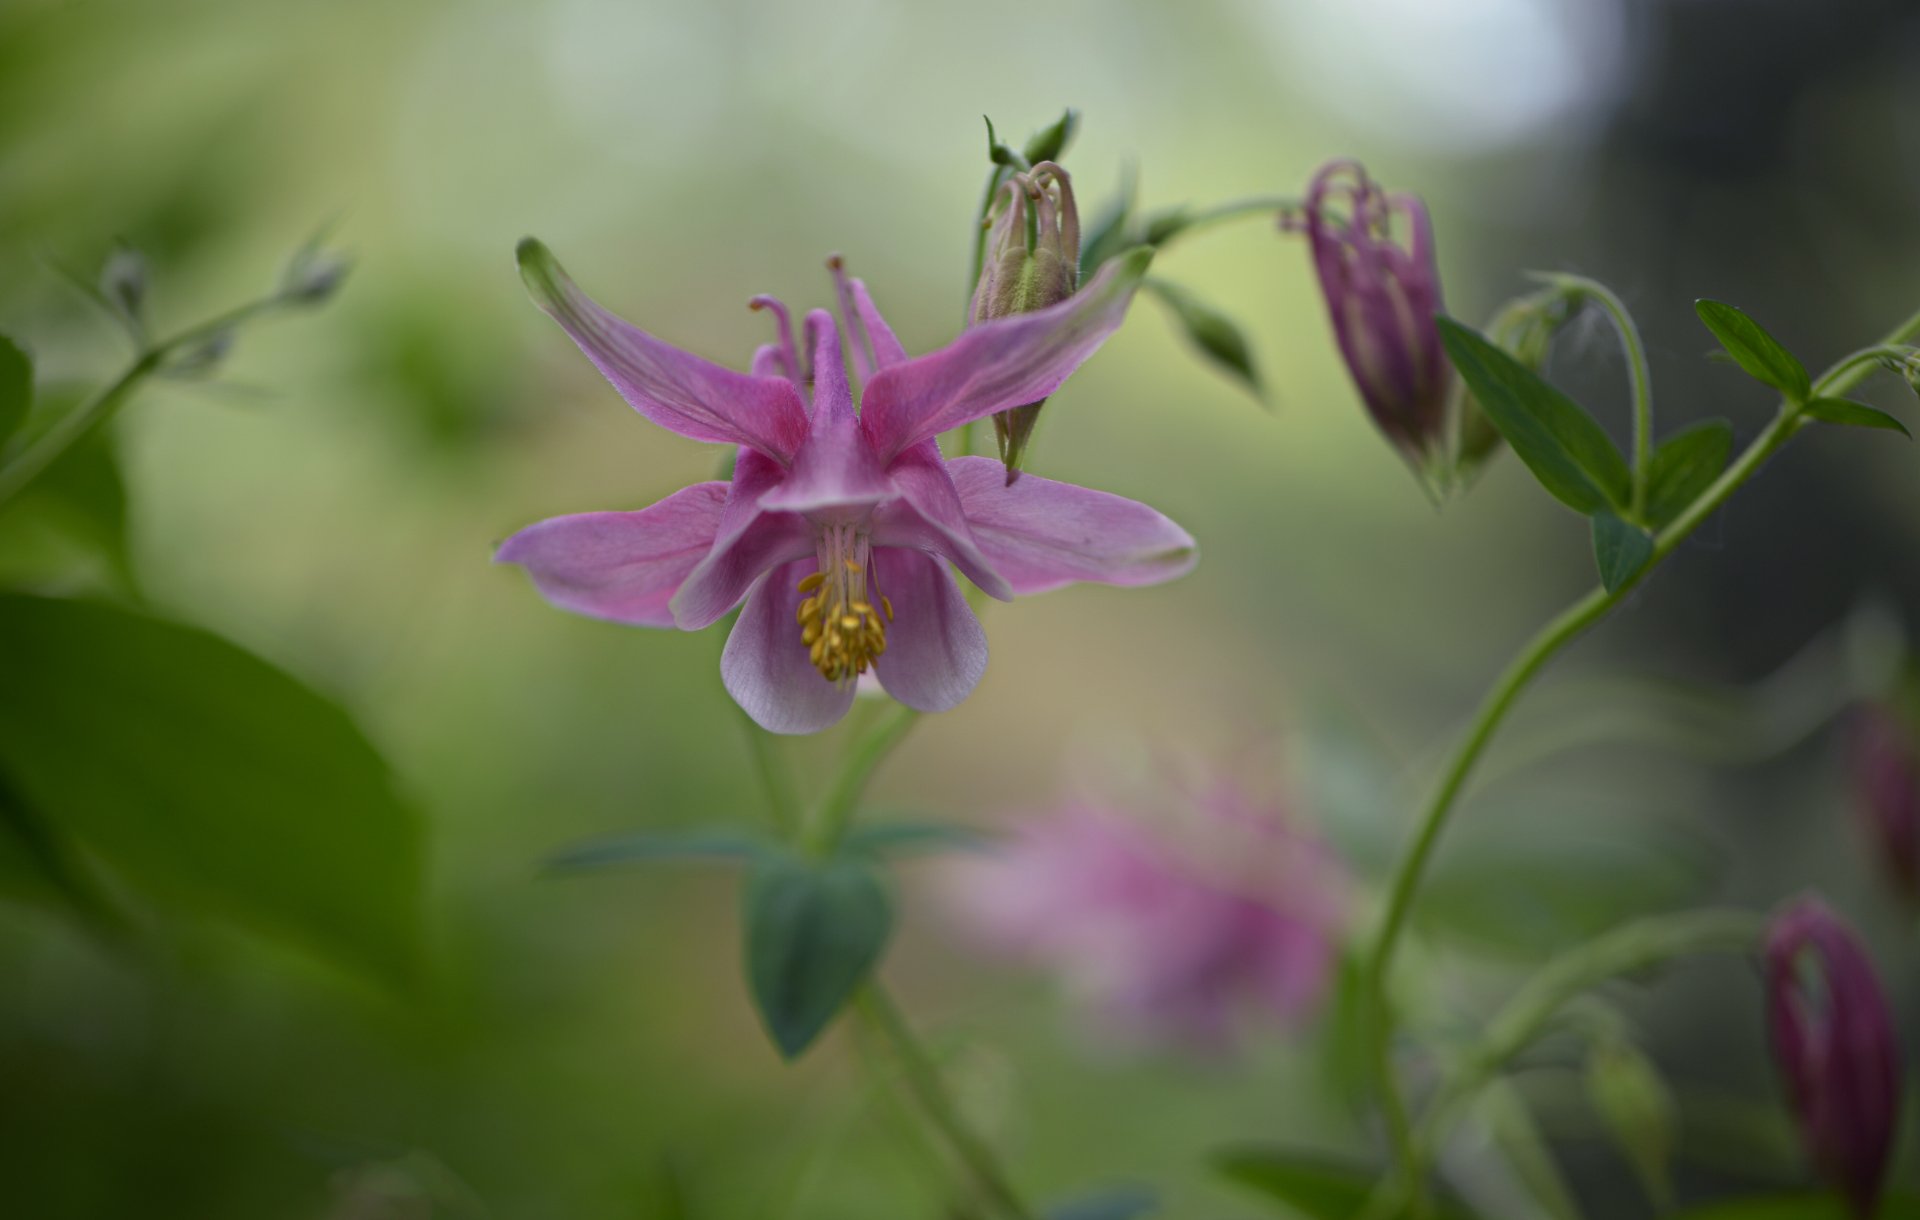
{"x": 582, "y": 1048}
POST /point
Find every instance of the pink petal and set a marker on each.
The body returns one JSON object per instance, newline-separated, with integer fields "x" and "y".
{"x": 748, "y": 542}
{"x": 936, "y": 651}
{"x": 765, "y": 666}
{"x": 999, "y": 364}
{"x": 1041, "y": 534}
{"x": 674, "y": 389}
{"x": 930, "y": 517}
{"x": 835, "y": 468}
{"x": 886, "y": 348}
{"x": 620, "y": 566}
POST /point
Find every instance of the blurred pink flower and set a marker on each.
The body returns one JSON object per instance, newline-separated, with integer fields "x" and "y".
{"x": 1171, "y": 928}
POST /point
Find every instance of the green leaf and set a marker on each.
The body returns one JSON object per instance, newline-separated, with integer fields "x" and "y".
{"x": 1638, "y": 1109}
{"x": 1111, "y": 231}
{"x": 205, "y": 776}
{"x": 16, "y": 388}
{"x": 1620, "y": 550}
{"x": 1567, "y": 451}
{"x": 68, "y": 528}
{"x": 658, "y": 847}
{"x": 1684, "y": 466}
{"x": 1050, "y": 142}
{"x": 1311, "y": 1184}
{"x": 1118, "y": 1203}
{"x": 1217, "y": 337}
{"x": 912, "y": 838}
{"x": 1799, "y": 1207}
{"x": 1754, "y": 350}
{"x": 814, "y": 932}
{"x": 1854, "y": 414}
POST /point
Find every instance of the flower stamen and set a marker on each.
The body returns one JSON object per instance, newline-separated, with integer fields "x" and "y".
{"x": 841, "y": 630}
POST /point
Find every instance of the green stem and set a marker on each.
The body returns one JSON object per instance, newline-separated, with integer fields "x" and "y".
{"x": 1569, "y": 625}
{"x": 1637, "y": 371}
{"x": 1265, "y": 205}
{"x": 836, "y": 809}
{"x": 80, "y": 422}
{"x": 923, "y": 1081}
{"x": 775, "y": 780}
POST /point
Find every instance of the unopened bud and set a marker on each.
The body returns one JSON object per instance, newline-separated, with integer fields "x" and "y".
{"x": 313, "y": 276}
{"x": 123, "y": 281}
{"x": 1032, "y": 261}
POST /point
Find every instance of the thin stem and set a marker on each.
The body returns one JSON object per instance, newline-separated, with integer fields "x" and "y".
{"x": 1265, "y": 205}
{"x": 1642, "y": 381}
{"x": 843, "y": 797}
{"x": 776, "y": 782}
{"x": 922, "y": 1078}
{"x": 1569, "y": 625}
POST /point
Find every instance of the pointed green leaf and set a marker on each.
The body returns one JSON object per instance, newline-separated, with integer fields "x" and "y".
{"x": 208, "y": 778}
{"x": 1754, "y": 350}
{"x": 890, "y": 839}
{"x": 1685, "y": 465}
{"x": 657, "y": 847}
{"x": 1217, "y": 337}
{"x": 1567, "y": 451}
{"x": 1854, "y": 415}
{"x": 16, "y": 388}
{"x": 1620, "y": 550}
{"x": 814, "y": 932}
{"x": 1639, "y": 1111}
{"x": 1312, "y": 1184}
{"x": 1051, "y": 141}
{"x": 1111, "y": 231}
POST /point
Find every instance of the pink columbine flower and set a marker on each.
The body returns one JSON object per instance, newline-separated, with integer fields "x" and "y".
{"x": 1172, "y": 923}
{"x": 1382, "y": 298}
{"x": 839, "y": 523}
{"x": 1833, "y": 1039}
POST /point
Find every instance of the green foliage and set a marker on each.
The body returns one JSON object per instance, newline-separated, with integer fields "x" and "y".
{"x": 894, "y": 839}
{"x": 1684, "y": 466}
{"x": 1119, "y": 1203}
{"x": 206, "y": 776}
{"x": 1754, "y": 350}
{"x": 1568, "y": 452}
{"x": 1854, "y": 415}
{"x": 1620, "y": 550}
{"x": 660, "y": 846}
{"x": 1111, "y": 230}
{"x": 1311, "y": 1184}
{"x": 1217, "y": 337}
{"x": 815, "y": 930}
{"x": 1799, "y": 1207}
{"x": 1639, "y": 1111}
{"x": 1051, "y": 142}
{"x": 16, "y": 388}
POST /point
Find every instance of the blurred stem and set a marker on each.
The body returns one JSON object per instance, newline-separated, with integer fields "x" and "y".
{"x": 1642, "y": 381}
{"x": 1568, "y": 626}
{"x": 776, "y": 781}
{"x": 843, "y": 798}
{"x": 80, "y": 422}
{"x": 1239, "y": 209}
{"x": 922, "y": 1077}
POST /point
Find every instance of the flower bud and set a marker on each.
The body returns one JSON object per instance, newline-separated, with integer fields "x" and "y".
{"x": 1032, "y": 261}
{"x": 1885, "y": 761}
{"x": 1382, "y": 298}
{"x": 1833, "y": 1040}
{"x": 123, "y": 281}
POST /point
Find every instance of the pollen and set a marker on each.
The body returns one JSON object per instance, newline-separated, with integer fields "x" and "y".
{"x": 843, "y": 622}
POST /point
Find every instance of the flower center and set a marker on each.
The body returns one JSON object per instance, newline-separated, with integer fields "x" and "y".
{"x": 839, "y": 624}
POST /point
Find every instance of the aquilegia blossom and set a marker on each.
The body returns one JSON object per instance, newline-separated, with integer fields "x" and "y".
{"x": 1382, "y": 298}
{"x": 838, "y": 525}
{"x": 1170, "y": 920}
{"x": 1833, "y": 1038}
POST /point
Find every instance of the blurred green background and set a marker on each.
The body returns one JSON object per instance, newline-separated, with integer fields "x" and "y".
{"x": 583, "y": 1047}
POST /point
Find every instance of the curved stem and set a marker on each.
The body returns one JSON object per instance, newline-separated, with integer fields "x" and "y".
{"x": 1264, "y": 205}
{"x": 1642, "y": 381}
{"x": 922, "y": 1077}
{"x": 843, "y": 797}
{"x": 1562, "y": 630}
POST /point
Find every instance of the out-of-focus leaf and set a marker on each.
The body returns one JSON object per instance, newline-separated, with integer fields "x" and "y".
{"x": 913, "y": 838}
{"x": 1111, "y": 231}
{"x": 1515, "y": 1133}
{"x": 205, "y": 775}
{"x": 1216, "y": 336}
{"x": 68, "y": 529}
{"x": 1526, "y": 882}
{"x": 1854, "y": 415}
{"x": 814, "y": 932}
{"x": 1053, "y": 140}
{"x": 659, "y": 847}
{"x": 1311, "y": 1184}
{"x": 1638, "y": 1109}
{"x": 1799, "y": 1207}
{"x": 1116, "y": 1203}
{"x": 1342, "y": 1053}
{"x": 1620, "y": 550}
{"x": 1568, "y": 452}
{"x": 1754, "y": 350}
{"x": 16, "y": 388}
{"x": 1685, "y": 465}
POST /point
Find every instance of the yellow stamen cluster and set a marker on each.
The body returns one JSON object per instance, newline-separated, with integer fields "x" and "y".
{"x": 842, "y": 630}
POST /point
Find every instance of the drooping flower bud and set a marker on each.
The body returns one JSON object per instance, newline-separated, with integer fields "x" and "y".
{"x": 1382, "y": 298}
{"x": 1885, "y": 761}
{"x": 1833, "y": 1039}
{"x": 1032, "y": 261}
